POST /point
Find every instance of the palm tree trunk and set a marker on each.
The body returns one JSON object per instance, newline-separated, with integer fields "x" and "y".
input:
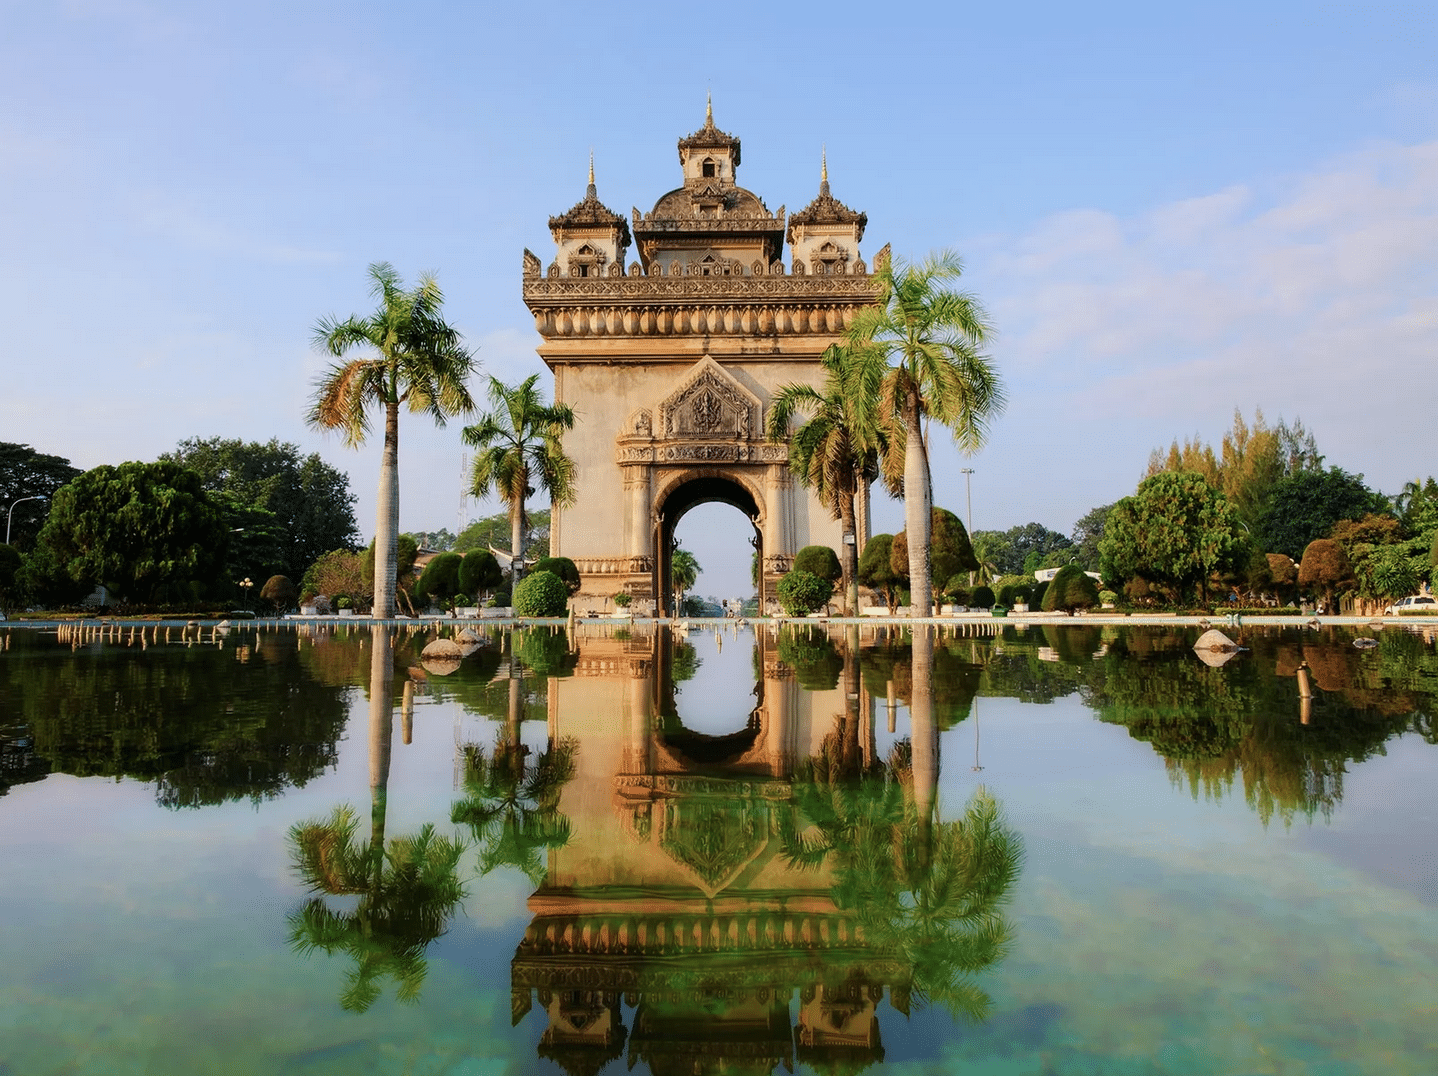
{"x": 917, "y": 509}
{"x": 849, "y": 541}
{"x": 381, "y": 735}
{"x": 386, "y": 527}
{"x": 924, "y": 734}
{"x": 516, "y": 544}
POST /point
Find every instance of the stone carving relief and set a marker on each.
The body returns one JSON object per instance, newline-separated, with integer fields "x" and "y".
{"x": 711, "y": 403}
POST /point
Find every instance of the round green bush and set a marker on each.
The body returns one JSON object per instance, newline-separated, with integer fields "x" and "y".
{"x": 564, "y": 568}
{"x": 800, "y": 593}
{"x": 461, "y": 601}
{"x": 1010, "y": 595}
{"x": 1070, "y": 589}
{"x": 479, "y": 572}
{"x": 1036, "y": 595}
{"x": 819, "y": 560}
{"x": 540, "y": 594}
{"x": 502, "y": 598}
{"x": 958, "y": 593}
{"x": 982, "y": 597}
{"x": 439, "y": 579}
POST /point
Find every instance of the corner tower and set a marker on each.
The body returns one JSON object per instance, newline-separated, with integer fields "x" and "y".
{"x": 670, "y": 364}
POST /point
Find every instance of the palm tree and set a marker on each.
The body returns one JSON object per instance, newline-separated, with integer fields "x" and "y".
{"x": 683, "y": 574}
{"x": 416, "y": 359}
{"x": 520, "y": 446}
{"x": 836, "y": 450}
{"x": 927, "y": 340}
{"x": 408, "y": 887}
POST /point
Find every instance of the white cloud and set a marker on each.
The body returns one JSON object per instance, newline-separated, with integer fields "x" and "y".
{"x": 1314, "y": 295}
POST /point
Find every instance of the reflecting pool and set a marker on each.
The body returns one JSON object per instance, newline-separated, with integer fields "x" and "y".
{"x": 990, "y": 848}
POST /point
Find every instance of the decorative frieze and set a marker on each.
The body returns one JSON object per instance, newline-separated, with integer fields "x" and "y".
{"x": 614, "y": 565}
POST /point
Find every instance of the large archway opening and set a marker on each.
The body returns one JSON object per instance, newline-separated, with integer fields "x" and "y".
{"x": 708, "y": 493}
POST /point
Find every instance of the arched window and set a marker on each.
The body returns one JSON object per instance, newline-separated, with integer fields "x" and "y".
{"x": 710, "y": 168}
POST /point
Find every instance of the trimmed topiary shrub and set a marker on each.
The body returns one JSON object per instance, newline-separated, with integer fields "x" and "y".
{"x": 462, "y": 601}
{"x": 1011, "y": 594}
{"x": 623, "y": 600}
{"x": 1036, "y": 595}
{"x": 479, "y": 572}
{"x": 819, "y": 560}
{"x": 982, "y": 597}
{"x": 1070, "y": 589}
{"x": 564, "y": 568}
{"x": 502, "y": 598}
{"x": 876, "y": 571}
{"x": 540, "y": 594}
{"x": 440, "y": 579}
{"x": 800, "y": 593}
{"x": 279, "y": 592}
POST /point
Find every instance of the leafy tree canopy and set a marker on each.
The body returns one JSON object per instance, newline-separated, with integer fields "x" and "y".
{"x": 564, "y": 568}
{"x": 27, "y": 473}
{"x": 310, "y": 501}
{"x": 1175, "y": 531}
{"x": 1009, "y": 552}
{"x": 1305, "y": 505}
{"x": 1087, "y": 534}
{"x": 801, "y": 593}
{"x": 146, "y": 530}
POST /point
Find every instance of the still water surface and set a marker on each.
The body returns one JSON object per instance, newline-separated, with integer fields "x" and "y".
{"x": 1054, "y": 850}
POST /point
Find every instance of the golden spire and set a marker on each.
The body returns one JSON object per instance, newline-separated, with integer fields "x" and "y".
{"x": 591, "y": 165}
{"x": 709, "y": 109}
{"x": 590, "y": 191}
{"x": 824, "y": 165}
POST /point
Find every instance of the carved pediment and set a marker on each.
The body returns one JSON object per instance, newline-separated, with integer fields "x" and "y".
{"x": 710, "y": 404}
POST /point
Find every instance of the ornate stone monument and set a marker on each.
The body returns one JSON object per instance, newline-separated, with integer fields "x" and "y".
{"x": 670, "y": 364}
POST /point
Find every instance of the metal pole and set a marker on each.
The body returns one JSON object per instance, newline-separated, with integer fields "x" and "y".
{"x": 10, "y": 518}
{"x": 969, "y": 498}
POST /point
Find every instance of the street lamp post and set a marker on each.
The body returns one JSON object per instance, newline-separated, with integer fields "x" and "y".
{"x": 10, "y": 518}
{"x": 245, "y": 585}
{"x": 969, "y": 498}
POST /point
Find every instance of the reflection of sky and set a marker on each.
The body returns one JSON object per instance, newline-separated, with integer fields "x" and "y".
{"x": 1155, "y": 932}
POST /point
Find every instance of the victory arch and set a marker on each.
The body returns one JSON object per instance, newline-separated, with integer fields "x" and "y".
{"x": 670, "y": 364}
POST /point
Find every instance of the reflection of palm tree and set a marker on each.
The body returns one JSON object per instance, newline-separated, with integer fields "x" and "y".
{"x": 929, "y": 892}
{"x": 407, "y": 888}
{"x": 512, "y": 809}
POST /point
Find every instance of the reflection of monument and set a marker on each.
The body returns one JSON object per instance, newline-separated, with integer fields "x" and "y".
{"x": 670, "y": 362}
{"x": 678, "y": 894}
{"x": 675, "y": 896}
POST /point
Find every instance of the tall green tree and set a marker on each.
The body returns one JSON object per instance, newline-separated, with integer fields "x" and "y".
{"x": 1176, "y": 531}
{"x": 148, "y": 531}
{"x": 413, "y": 358}
{"x": 521, "y": 452}
{"x": 929, "y": 341}
{"x": 28, "y": 481}
{"x": 836, "y": 449}
{"x": 310, "y": 502}
{"x": 1304, "y": 506}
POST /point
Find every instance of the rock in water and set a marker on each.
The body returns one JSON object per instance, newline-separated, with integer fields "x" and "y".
{"x": 443, "y": 648}
{"x": 1213, "y": 639}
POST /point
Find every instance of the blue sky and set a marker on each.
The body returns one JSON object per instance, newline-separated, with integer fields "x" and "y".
{"x": 1169, "y": 213}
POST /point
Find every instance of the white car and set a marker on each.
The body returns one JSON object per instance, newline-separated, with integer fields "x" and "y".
{"x": 1418, "y": 603}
